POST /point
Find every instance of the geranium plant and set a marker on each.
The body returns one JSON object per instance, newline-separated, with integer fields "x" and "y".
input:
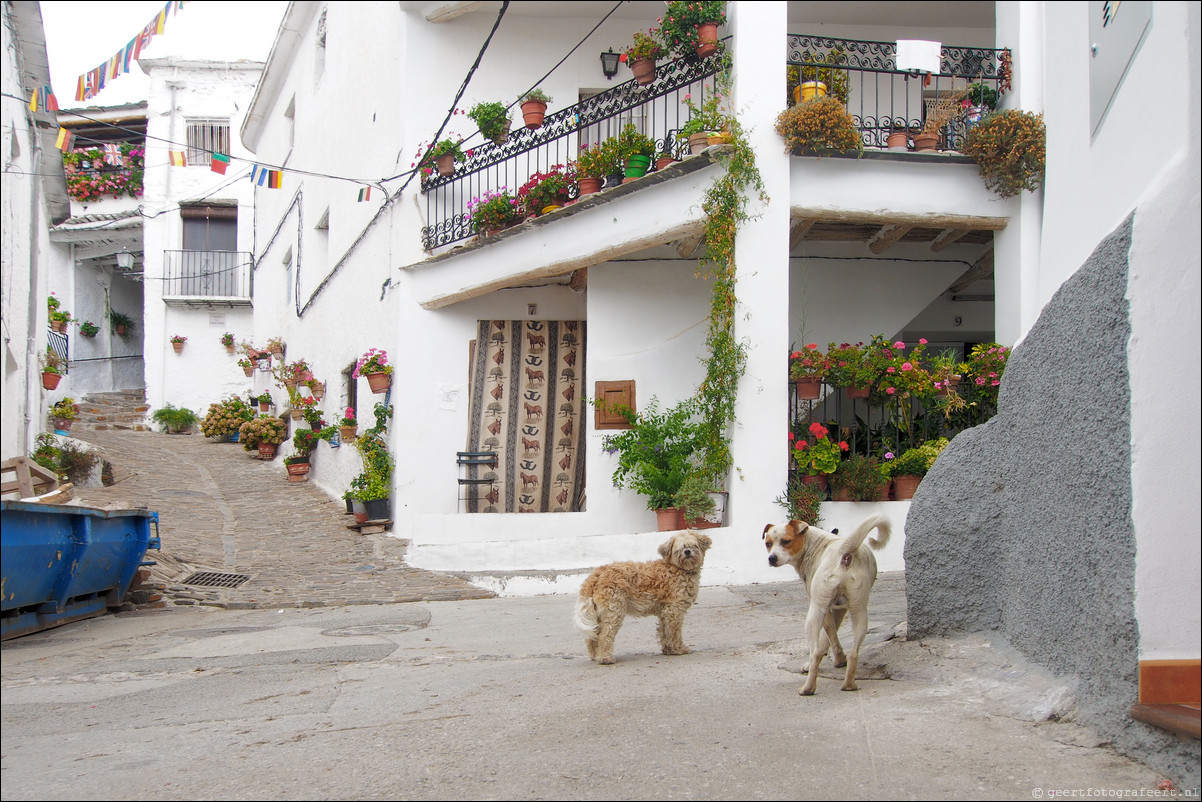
{"x": 178, "y": 339}
{"x": 807, "y": 363}
{"x": 645, "y": 46}
{"x": 680, "y": 23}
{"x": 547, "y": 189}
{"x": 374, "y": 361}
{"x": 817, "y": 454}
{"x": 227, "y": 340}
{"x": 348, "y": 417}
{"x": 66, "y": 409}
{"x": 89, "y": 329}
{"x": 852, "y": 365}
{"x": 493, "y": 210}
{"x": 493, "y": 120}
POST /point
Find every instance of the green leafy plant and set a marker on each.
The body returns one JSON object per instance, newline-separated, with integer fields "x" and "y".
{"x": 654, "y": 454}
{"x": 492, "y": 118}
{"x": 89, "y": 329}
{"x": 693, "y": 497}
{"x": 818, "y": 125}
{"x": 65, "y": 409}
{"x": 175, "y": 419}
{"x": 817, "y": 454}
{"x": 645, "y": 46}
{"x": 71, "y": 462}
{"x": 631, "y": 142}
{"x": 227, "y": 340}
{"x": 983, "y": 95}
{"x": 493, "y": 210}
{"x": 802, "y": 501}
{"x": 536, "y": 95}
{"x": 1010, "y": 149}
{"x": 709, "y": 116}
{"x": 265, "y": 429}
{"x": 54, "y": 311}
{"x": 599, "y": 160}
{"x": 374, "y": 361}
{"x": 863, "y": 478}
{"x": 807, "y": 363}
{"x": 678, "y": 26}
{"x": 305, "y": 441}
{"x": 918, "y": 460}
{"x": 850, "y": 365}
{"x": 119, "y": 319}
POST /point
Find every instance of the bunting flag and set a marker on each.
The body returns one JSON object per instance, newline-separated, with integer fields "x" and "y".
{"x": 178, "y": 158}
{"x": 364, "y": 194}
{"x": 79, "y": 89}
{"x": 49, "y": 100}
{"x": 273, "y": 179}
{"x": 220, "y": 163}
{"x": 33, "y": 100}
{"x": 112, "y": 155}
{"x": 64, "y": 140}
{"x": 262, "y": 177}
{"x": 91, "y": 83}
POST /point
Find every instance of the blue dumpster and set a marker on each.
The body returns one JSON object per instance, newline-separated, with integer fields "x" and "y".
{"x": 63, "y": 563}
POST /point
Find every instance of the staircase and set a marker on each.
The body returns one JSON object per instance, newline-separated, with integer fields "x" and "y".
{"x": 119, "y": 409}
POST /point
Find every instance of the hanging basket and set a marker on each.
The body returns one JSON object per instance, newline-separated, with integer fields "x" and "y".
{"x": 533, "y": 112}
{"x": 707, "y": 39}
{"x": 51, "y": 380}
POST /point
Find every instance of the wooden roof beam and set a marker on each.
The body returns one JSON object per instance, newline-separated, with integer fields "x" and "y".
{"x": 947, "y": 236}
{"x": 799, "y": 231}
{"x": 981, "y": 269}
{"x": 687, "y": 246}
{"x": 887, "y": 236}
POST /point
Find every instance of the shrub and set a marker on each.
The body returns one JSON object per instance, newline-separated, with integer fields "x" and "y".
{"x": 917, "y": 461}
{"x": 818, "y": 125}
{"x": 226, "y": 418}
{"x": 266, "y": 429}
{"x": 862, "y": 477}
{"x": 174, "y": 419}
{"x": 1010, "y": 148}
{"x": 802, "y": 501}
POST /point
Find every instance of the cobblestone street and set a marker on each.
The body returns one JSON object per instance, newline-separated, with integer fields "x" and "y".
{"x": 222, "y": 511}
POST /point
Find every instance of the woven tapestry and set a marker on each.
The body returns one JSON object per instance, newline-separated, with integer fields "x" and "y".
{"x": 527, "y": 405}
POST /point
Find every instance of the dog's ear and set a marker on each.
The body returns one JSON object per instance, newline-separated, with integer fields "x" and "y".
{"x": 799, "y": 527}
{"x": 665, "y": 548}
{"x": 764, "y": 534}
{"x": 704, "y": 541}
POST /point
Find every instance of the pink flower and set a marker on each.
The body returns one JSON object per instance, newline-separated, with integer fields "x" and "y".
{"x": 890, "y": 391}
{"x": 891, "y": 369}
{"x": 899, "y": 344}
{"x": 922, "y": 340}
{"x": 907, "y": 366}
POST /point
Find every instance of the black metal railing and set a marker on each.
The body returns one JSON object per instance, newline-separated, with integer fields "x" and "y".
{"x": 869, "y": 426}
{"x": 658, "y": 110}
{"x": 883, "y": 99}
{"x": 208, "y": 274}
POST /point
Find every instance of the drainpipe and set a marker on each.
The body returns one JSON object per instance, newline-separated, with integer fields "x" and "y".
{"x": 33, "y": 378}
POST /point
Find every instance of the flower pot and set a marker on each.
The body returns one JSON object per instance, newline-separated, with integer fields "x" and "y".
{"x": 858, "y": 392}
{"x": 179, "y": 347}
{"x": 812, "y": 90}
{"x": 120, "y": 329}
{"x": 318, "y": 389}
{"x": 378, "y": 509}
{"x": 297, "y": 414}
{"x": 347, "y": 433}
{"x": 972, "y": 116}
{"x": 926, "y": 141}
{"x": 445, "y": 164}
{"x": 503, "y": 137}
{"x": 663, "y": 161}
{"x": 842, "y": 494}
{"x": 290, "y": 384}
{"x": 698, "y": 142}
{"x": 264, "y": 406}
{"x": 948, "y": 387}
{"x": 249, "y": 370}
{"x": 904, "y": 486}
{"x": 898, "y": 140}
{"x": 721, "y": 138}
{"x": 643, "y": 70}
{"x": 298, "y": 471}
{"x": 818, "y": 480}
{"x": 233, "y": 438}
{"x": 305, "y": 376}
{"x": 359, "y": 511}
{"x": 379, "y": 382}
{"x": 589, "y": 185}
{"x": 637, "y": 166}
{"x": 229, "y": 349}
{"x": 62, "y": 425}
{"x": 58, "y": 325}
{"x": 808, "y": 389}
{"x": 533, "y": 112}
{"x": 51, "y": 380}
{"x": 267, "y": 450}
{"x": 707, "y": 39}
{"x": 796, "y": 95}
{"x": 668, "y": 519}
{"x": 885, "y": 489}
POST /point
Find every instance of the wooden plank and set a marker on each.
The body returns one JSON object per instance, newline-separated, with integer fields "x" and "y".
{"x": 26, "y": 478}
{"x": 938, "y": 221}
{"x": 687, "y": 246}
{"x": 887, "y": 236}
{"x": 981, "y": 269}
{"x": 799, "y": 230}
{"x": 947, "y": 237}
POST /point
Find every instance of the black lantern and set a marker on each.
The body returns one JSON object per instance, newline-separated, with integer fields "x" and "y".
{"x": 609, "y": 63}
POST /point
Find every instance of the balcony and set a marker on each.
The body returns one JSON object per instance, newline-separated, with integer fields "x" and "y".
{"x": 208, "y": 278}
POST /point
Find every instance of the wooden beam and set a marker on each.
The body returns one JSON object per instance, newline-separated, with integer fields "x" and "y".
{"x": 971, "y": 222}
{"x": 981, "y": 269}
{"x": 887, "y": 236}
{"x": 947, "y": 236}
{"x": 799, "y": 230}
{"x": 687, "y": 247}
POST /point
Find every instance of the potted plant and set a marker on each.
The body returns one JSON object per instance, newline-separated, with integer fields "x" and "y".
{"x": 348, "y": 426}
{"x": 58, "y": 317}
{"x": 695, "y": 500}
{"x": 123, "y": 325}
{"x": 654, "y": 454}
{"x": 534, "y": 107}
{"x": 373, "y": 487}
{"x": 175, "y": 420}
{"x": 817, "y": 455}
{"x": 275, "y": 347}
{"x": 802, "y": 501}
{"x": 227, "y": 340}
{"x": 635, "y": 151}
{"x": 225, "y": 418}
{"x": 981, "y": 99}
{"x": 595, "y": 163}
{"x": 544, "y": 192}
{"x": 312, "y": 414}
{"x": 859, "y": 478}
{"x": 445, "y": 154}
{"x": 62, "y": 414}
{"x": 912, "y": 465}
{"x": 304, "y": 441}
{"x": 942, "y": 111}
{"x": 177, "y": 342}
{"x": 815, "y": 81}
{"x": 1010, "y": 148}
{"x": 818, "y": 125}
{"x": 264, "y": 401}
{"x": 690, "y": 27}
{"x": 263, "y": 434}
{"x": 493, "y": 120}
{"x": 642, "y": 54}
{"x": 89, "y": 329}
{"x": 807, "y": 366}
{"x": 52, "y": 366}
{"x": 247, "y": 366}
{"x": 946, "y": 372}
{"x": 663, "y": 159}
{"x": 853, "y": 367}
{"x": 704, "y": 121}
{"x": 374, "y": 366}
{"x": 493, "y": 211}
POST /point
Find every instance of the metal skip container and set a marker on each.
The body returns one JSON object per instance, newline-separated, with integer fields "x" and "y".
{"x": 62, "y": 563}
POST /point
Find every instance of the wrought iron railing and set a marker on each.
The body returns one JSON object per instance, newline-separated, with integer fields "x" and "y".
{"x": 883, "y": 99}
{"x": 658, "y": 110}
{"x": 208, "y": 274}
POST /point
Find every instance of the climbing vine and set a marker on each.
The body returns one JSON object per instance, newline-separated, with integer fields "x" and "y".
{"x": 725, "y": 209}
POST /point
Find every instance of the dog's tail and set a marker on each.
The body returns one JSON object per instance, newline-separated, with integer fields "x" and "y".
{"x": 878, "y": 522}
{"x": 586, "y": 615}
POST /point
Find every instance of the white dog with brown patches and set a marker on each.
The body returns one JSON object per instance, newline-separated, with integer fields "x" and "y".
{"x": 838, "y": 574}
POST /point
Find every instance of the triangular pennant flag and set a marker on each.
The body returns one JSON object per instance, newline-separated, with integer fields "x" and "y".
{"x": 178, "y": 158}
{"x": 364, "y": 194}
{"x": 64, "y": 140}
{"x": 220, "y": 163}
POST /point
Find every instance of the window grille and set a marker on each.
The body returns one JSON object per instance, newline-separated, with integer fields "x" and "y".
{"x": 206, "y": 137}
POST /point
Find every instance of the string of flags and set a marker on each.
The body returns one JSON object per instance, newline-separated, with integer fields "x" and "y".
{"x": 43, "y": 99}
{"x": 90, "y": 83}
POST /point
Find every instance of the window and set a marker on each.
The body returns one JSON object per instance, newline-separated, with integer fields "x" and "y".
{"x": 206, "y": 137}
{"x": 208, "y": 264}
{"x": 210, "y": 228}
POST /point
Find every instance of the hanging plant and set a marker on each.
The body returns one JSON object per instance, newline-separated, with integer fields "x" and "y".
{"x": 1010, "y": 147}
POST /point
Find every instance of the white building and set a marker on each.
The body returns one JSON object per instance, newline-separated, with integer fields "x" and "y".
{"x": 902, "y": 244}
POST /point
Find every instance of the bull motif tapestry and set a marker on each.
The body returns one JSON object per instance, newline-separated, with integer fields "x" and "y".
{"x": 527, "y": 405}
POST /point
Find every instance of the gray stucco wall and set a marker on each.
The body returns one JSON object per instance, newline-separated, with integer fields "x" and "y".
{"x": 1024, "y": 524}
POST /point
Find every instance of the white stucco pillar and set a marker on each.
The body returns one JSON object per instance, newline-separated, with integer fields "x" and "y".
{"x": 762, "y": 257}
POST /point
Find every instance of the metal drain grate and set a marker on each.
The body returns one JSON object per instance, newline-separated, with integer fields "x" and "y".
{"x": 211, "y": 579}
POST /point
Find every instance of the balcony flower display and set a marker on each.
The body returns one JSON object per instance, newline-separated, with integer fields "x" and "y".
{"x": 90, "y": 176}
{"x": 595, "y": 163}
{"x": 818, "y": 125}
{"x": 493, "y": 211}
{"x": 547, "y": 189}
{"x": 58, "y": 317}
{"x": 690, "y": 27}
{"x": 817, "y": 454}
{"x": 1010, "y": 148}
{"x": 642, "y": 54}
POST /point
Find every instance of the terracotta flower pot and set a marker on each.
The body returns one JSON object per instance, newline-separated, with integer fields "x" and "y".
{"x": 347, "y": 433}
{"x": 379, "y": 382}
{"x": 179, "y": 347}
{"x": 589, "y": 185}
{"x": 698, "y": 142}
{"x": 808, "y": 389}
{"x": 249, "y": 370}
{"x": 904, "y": 486}
{"x": 58, "y": 325}
{"x": 229, "y": 349}
{"x": 924, "y": 141}
{"x": 445, "y": 164}
{"x": 858, "y": 392}
{"x": 51, "y": 380}
{"x": 668, "y": 519}
{"x": 663, "y": 162}
{"x": 62, "y": 425}
{"x": 533, "y": 112}
{"x": 898, "y": 140}
{"x": 267, "y": 450}
{"x": 707, "y": 39}
{"x": 720, "y": 138}
{"x": 643, "y": 70}
{"x": 817, "y": 480}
